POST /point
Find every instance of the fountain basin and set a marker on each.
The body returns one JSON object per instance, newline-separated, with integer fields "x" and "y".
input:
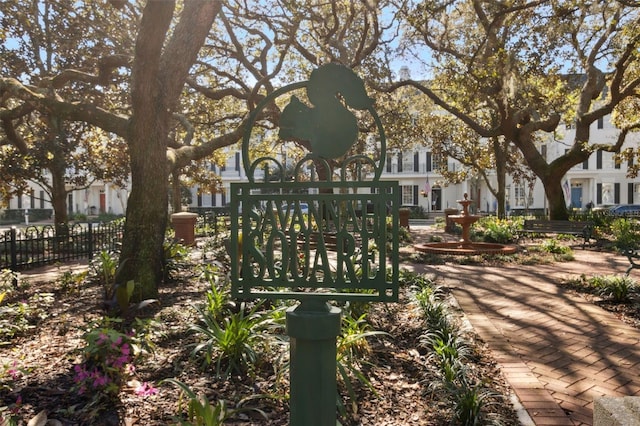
{"x": 465, "y": 248}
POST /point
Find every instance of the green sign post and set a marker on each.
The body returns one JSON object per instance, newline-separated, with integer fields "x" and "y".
{"x": 322, "y": 235}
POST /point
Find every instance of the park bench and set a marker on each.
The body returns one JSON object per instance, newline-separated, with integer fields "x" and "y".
{"x": 570, "y": 227}
{"x": 330, "y": 241}
{"x": 632, "y": 255}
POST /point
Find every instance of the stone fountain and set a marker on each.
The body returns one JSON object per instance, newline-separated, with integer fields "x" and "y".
{"x": 465, "y": 246}
{"x": 465, "y": 219}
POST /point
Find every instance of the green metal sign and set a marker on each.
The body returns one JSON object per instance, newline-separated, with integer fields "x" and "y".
{"x": 330, "y": 232}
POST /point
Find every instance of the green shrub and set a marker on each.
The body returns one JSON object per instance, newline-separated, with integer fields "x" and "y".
{"x": 494, "y": 230}
{"x": 625, "y": 234}
{"x": 201, "y": 412}
{"x": 352, "y": 349}
{"x": 553, "y": 246}
{"x": 614, "y": 287}
{"x": 102, "y": 269}
{"x": 106, "y": 356}
{"x": 236, "y": 343}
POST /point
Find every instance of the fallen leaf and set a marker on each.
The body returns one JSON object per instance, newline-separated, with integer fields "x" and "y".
{"x": 39, "y": 420}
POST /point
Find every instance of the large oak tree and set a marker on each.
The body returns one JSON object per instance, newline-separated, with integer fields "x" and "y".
{"x": 519, "y": 69}
{"x": 191, "y": 71}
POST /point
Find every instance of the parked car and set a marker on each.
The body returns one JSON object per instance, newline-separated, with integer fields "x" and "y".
{"x": 625, "y": 210}
{"x": 304, "y": 207}
{"x": 603, "y": 209}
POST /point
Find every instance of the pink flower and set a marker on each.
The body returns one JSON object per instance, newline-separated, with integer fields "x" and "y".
{"x": 145, "y": 389}
{"x": 117, "y": 342}
{"x": 101, "y": 338}
{"x": 121, "y": 361}
{"x": 99, "y": 380}
{"x": 125, "y": 349}
{"x": 81, "y": 373}
{"x": 16, "y": 407}
{"x": 13, "y": 373}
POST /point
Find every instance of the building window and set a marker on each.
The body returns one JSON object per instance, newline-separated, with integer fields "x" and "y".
{"x": 407, "y": 195}
{"x": 519, "y": 195}
{"x": 543, "y": 152}
{"x": 601, "y": 123}
{"x": 607, "y": 193}
{"x": 599, "y": 159}
{"x": 429, "y": 162}
{"x": 439, "y": 162}
{"x": 407, "y": 163}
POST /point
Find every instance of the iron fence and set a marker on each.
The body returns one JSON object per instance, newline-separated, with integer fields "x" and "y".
{"x": 35, "y": 246}
{"x": 211, "y": 221}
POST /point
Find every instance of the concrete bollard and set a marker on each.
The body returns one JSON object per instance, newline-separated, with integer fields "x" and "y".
{"x": 612, "y": 411}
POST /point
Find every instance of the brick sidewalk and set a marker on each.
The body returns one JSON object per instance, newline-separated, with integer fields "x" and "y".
{"x": 557, "y": 351}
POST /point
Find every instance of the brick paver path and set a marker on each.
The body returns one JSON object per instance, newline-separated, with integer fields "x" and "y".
{"x": 557, "y": 351}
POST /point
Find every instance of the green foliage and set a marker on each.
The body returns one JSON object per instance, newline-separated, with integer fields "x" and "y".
{"x": 625, "y": 232}
{"x": 201, "y": 412}
{"x": 494, "y": 230}
{"x": 70, "y": 282}
{"x": 103, "y": 268}
{"x": 20, "y": 317}
{"x": 450, "y": 352}
{"x": 552, "y": 245}
{"x": 352, "y": 349}
{"x": 614, "y": 287}
{"x": 218, "y": 297}
{"x": 105, "y": 362}
{"x": 236, "y": 342}
{"x": 469, "y": 401}
{"x": 404, "y": 235}
{"x": 176, "y": 257}
{"x": 435, "y": 310}
{"x": 8, "y": 280}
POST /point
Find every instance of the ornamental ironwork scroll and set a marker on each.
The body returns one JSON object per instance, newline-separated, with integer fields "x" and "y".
{"x": 329, "y": 228}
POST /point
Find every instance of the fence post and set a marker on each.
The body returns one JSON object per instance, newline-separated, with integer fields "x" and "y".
{"x": 14, "y": 255}
{"x": 90, "y": 240}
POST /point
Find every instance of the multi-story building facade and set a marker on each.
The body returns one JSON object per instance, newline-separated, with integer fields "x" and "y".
{"x": 600, "y": 180}
{"x": 99, "y": 197}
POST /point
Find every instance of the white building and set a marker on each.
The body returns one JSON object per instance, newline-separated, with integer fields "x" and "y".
{"x": 98, "y": 198}
{"x": 600, "y": 180}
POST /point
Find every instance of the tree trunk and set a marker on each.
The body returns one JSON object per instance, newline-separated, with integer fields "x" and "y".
{"x": 142, "y": 254}
{"x": 501, "y": 176}
{"x": 58, "y": 198}
{"x": 158, "y": 74}
{"x": 555, "y": 197}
